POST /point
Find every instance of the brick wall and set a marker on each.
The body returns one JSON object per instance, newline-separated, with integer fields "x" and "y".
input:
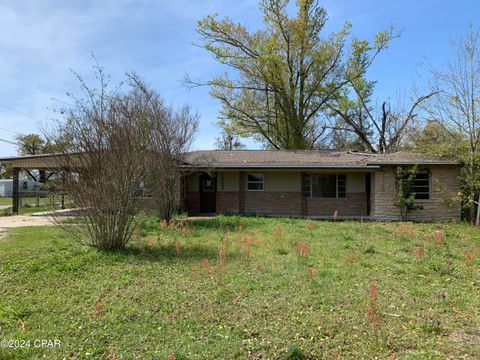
{"x": 353, "y": 204}
{"x": 440, "y": 207}
{"x": 273, "y": 203}
{"x": 227, "y": 202}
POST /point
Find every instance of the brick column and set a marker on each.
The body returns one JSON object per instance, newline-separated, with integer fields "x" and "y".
{"x": 241, "y": 192}
{"x": 183, "y": 192}
{"x": 305, "y": 193}
{"x": 16, "y": 191}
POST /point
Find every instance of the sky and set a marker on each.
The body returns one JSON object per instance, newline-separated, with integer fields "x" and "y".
{"x": 42, "y": 40}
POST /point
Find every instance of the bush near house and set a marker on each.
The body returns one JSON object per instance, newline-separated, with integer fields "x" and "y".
{"x": 247, "y": 288}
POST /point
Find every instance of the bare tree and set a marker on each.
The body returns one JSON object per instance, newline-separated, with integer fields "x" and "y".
{"x": 379, "y": 131}
{"x": 115, "y": 138}
{"x": 228, "y": 141}
{"x": 456, "y": 106}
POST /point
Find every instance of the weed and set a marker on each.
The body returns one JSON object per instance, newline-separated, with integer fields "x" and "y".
{"x": 353, "y": 256}
{"x": 311, "y": 273}
{"x": 296, "y": 246}
{"x": 437, "y": 237}
{"x": 177, "y": 247}
{"x": 370, "y": 250}
{"x": 418, "y": 252}
{"x": 302, "y": 249}
{"x": 433, "y": 326}
{"x": 206, "y": 266}
{"x": 279, "y": 231}
{"x": 472, "y": 254}
{"x": 98, "y": 309}
{"x": 247, "y": 249}
{"x": 295, "y": 353}
{"x": 404, "y": 229}
{"x": 222, "y": 254}
{"x": 373, "y": 312}
{"x": 305, "y": 249}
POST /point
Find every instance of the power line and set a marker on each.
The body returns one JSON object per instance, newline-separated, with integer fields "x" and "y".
{"x": 10, "y": 131}
{"x": 19, "y": 112}
{"x": 8, "y": 141}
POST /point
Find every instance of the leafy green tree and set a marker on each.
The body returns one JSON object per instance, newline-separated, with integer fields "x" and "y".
{"x": 5, "y": 171}
{"x": 283, "y": 75}
{"x": 35, "y": 144}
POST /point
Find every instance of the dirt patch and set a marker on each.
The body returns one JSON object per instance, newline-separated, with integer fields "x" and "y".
{"x": 463, "y": 337}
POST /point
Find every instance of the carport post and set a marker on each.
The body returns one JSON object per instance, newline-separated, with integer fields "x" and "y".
{"x": 16, "y": 192}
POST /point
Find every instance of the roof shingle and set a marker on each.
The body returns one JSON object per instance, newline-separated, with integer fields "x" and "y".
{"x": 304, "y": 159}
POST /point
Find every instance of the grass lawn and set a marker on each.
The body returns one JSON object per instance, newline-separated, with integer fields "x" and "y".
{"x": 29, "y": 205}
{"x": 239, "y": 288}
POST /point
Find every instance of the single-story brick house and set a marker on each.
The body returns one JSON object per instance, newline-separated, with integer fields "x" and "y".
{"x": 316, "y": 183}
{"x": 310, "y": 183}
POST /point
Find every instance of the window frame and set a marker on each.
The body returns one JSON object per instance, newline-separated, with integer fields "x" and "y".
{"x": 336, "y": 187}
{"x": 429, "y": 176}
{"x": 255, "y": 182}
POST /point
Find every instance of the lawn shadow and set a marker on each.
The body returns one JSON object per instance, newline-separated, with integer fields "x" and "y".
{"x": 168, "y": 253}
{"x": 224, "y": 222}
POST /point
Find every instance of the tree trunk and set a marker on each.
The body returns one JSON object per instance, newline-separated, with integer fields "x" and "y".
{"x": 477, "y": 219}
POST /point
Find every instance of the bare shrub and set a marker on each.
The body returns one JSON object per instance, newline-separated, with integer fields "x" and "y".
{"x": 113, "y": 151}
{"x": 170, "y": 136}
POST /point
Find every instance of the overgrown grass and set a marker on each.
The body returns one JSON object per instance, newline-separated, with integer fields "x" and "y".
{"x": 247, "y": 288}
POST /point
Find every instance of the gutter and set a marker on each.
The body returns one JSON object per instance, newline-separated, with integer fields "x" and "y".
{"x": 282, "y": 167}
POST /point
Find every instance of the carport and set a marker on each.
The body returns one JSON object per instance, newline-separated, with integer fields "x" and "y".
{"x": 47, "y": 162}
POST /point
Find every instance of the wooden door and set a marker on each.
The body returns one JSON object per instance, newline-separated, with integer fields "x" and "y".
{"x": 208, "y": 193}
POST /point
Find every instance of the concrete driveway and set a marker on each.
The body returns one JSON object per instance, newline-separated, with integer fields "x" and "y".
{"x": 14, "y": 221}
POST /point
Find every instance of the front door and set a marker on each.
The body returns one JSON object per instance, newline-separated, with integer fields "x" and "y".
{"x": 208, "y": 193}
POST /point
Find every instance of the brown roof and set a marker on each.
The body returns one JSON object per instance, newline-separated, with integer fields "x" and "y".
{"x": 307, "y": 159}
{"x": 304, "y": 159}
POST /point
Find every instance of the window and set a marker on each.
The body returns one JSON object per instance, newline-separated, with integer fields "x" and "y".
{"x": 255, "y": 182}
{"x": 324, "y": 186}
{"x": 421, "y": 185}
